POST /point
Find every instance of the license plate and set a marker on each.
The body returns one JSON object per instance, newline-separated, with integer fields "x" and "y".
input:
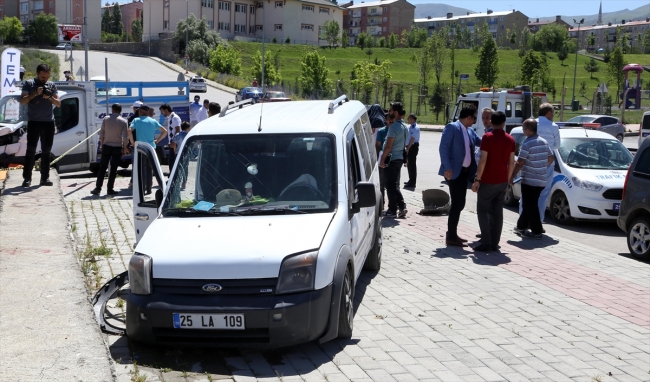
{"x": 645, "y": 134}
{"x": 208, "y": 321}
{"x": 617, "y": 206}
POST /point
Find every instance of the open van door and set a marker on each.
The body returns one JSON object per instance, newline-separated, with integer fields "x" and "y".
{"x": 147, "y": 196}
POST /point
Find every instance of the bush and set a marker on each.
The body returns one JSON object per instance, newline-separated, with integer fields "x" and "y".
{"x": 110, "y": 37}
{"x": 31, "y": 58}
{"x": 199, "y": 52}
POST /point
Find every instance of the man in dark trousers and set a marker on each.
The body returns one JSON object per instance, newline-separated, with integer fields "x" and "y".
{"x": 113, "y": 138}
{"x": 458, "y": 165}
{"x": 494, "y": 171}
{"x": 412, "y": 149}
{"x": 393, "y": 153}
{"x": 40, "y": 95}
{"x": 535, "y": 156}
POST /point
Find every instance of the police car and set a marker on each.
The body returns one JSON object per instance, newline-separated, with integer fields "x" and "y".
{"x": 198, "y": 84}
{"x": 590, "y": 171}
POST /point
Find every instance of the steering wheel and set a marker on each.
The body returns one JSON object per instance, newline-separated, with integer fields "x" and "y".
{"x": 302, "y": 185}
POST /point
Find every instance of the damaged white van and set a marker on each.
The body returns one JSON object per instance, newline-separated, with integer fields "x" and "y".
{"x": 259, "y": 236}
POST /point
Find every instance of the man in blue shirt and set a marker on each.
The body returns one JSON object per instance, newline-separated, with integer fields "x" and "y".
{"x": 379, "y": 144}
{"x": 394, "y": 153}
{"x": 412, "y": 149}
{"x": 195, "y": 111}
{"x": 145, "y": 128}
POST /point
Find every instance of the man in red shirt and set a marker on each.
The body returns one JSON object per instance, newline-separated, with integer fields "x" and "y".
{"x": 494, "y": 170}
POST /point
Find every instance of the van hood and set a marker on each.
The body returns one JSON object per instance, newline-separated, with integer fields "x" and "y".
{"x": 229, "y": 247}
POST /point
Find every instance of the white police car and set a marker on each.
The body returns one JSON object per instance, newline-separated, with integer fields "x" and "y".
{"x": 590, "y": 171}
{"x": 198, "y": 84}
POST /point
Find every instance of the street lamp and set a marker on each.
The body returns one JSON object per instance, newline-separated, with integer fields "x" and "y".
{"x": 574, "y": 104}
{"x": 187, "y": 27}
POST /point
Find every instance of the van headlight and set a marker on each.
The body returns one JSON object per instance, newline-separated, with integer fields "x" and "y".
{"x": 140, "y": 274}
{"x": 297, "y": 273}
{"x": 587, "y": 185}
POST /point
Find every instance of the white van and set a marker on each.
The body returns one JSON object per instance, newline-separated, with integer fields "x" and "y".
{"x": 644, "y": 128}
{"x": 259, "y": 236}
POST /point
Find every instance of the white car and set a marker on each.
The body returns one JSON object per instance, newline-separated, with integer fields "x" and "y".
{"x": 198, "y": 84}
{"x": 590, "y": 171}
{"x": 63, "y": 46}
{"x": 644, "y": 128}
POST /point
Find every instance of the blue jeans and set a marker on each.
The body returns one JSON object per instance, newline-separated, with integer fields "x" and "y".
{"x": 543, "y": 197}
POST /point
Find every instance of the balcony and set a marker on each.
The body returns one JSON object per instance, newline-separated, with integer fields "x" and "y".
{"x": 356, "y": 14}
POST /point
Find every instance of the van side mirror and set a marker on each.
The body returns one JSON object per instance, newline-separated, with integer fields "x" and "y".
{"x": 159, "y": 198}
{"x": 366, "y": 196}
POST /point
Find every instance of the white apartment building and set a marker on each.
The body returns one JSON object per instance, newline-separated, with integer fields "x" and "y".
{"x": 299, "y": 20}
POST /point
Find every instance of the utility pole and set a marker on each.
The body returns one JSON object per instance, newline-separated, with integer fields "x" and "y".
{"x": 187, "y": 28}
{"x": 263, "y": 29}
{"x": 575, "y": 67}
{"x": 149, "y": 28}
{"x": 85, "y": 30}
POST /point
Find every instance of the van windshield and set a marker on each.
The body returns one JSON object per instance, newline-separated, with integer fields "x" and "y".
{"x": 234, "y": 175}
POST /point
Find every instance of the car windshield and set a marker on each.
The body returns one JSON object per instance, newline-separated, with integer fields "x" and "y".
{"x": 582, "y": 119}
{"x": 11, "y": 111}
{"x": 263, "y": 174}
{"x": 594, "y": 153}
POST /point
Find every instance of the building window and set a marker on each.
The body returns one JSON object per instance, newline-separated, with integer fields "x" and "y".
{"x": 372, "y": 10}
{"x": 258, "y": 28}
{"x": 240, "y": 8}
{"x": 24, "y": 7}
{"x": 252, "y": 10}
{"x": 278, "y": 4}
{"x": 278, "y": 27}
{"x": 385, "y": 19}
{"x": 165, "y": 24}
{"x": 224, "y": 6}
{"x": 307, "y": 8}
{"x": 385, "y": 29}
{"x": 260, "y": 5}
{"x": 224, "y": 26}
{"x": 307, "y": 27}
{"x": 502, "y": 18}
{"x": 239, "y": 28}
{"x": 321, "y": 32}
{"x": 210, "y": 24}
{"x": 324, "y": 10}
{"x": 207, "y": 3}
{"x": 385, "y": 9}
{"x": 52, "y": 6}
{"x": 251, "y": 29}
{"x": 38, "y": 5}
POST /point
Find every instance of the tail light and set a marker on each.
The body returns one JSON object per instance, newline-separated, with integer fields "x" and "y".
{"x": 627, "y": 176}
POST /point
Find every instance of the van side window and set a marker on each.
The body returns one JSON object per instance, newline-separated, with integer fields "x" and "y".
{"x": 67, "y": 116}
{"x": 370, "y": 142}
{"x": 363, "y": 147}
{"x": 354, "y": 172}
{"x": 519, "y": 112}
{"x": 495, "y": 105}
{"x": 508, "y": 109}
{"x": 642, "y": 168}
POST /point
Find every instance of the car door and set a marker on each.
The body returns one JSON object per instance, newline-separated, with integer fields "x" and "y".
{"x": 145, "y": 205}
{"x": 357, "y": 219}
{"x": 70, "y": 121}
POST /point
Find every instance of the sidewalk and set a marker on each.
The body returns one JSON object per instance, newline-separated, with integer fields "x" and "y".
{"x": 47, "y": 328}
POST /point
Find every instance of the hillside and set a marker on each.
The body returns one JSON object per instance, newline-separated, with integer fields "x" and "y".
{"x": 437, "y": 10}
{"x": 639, "y": 13}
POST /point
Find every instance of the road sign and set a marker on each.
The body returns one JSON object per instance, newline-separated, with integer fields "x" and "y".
{"x": 602, "y": 88}
{"x": 464, "y": 77}
{"x": 80, "y": 71}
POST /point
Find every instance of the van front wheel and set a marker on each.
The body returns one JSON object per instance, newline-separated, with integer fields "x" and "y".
{"x": 346, "y": 309}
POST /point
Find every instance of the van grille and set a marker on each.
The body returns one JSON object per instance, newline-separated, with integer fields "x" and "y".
{"x": 613, "y": 194}
{"x": 230, "y": 287}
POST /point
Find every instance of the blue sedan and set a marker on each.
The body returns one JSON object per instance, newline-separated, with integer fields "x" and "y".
{"x": 248, "y": 92}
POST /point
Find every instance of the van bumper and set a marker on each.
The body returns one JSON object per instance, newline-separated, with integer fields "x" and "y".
{"x": 304, "y": 317}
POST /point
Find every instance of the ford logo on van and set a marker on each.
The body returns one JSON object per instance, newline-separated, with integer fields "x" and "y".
{"x": 211, "y": 288}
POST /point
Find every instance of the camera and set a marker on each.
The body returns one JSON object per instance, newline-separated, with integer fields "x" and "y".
{"x": 48, "y": 90}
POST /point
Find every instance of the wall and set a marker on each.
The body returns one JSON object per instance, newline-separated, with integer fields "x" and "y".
{"x": 163, "y": 49}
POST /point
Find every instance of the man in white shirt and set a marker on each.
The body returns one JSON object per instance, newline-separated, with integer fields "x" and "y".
{"x": 173, "y": 128}
{"x": 203, "y": 112}
{"x": 195, "y": 108}
{"x": 550, "y": 131}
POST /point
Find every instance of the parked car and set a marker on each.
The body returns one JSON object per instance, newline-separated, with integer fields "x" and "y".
{"x": 63, "y": 46}
{"x": 634, "y": 217}
{"x": 273, "y": 96}
{"x": 248, "y": 92}
{"x": 100, "y": 90}
{"x": 608, "y": 124}
{"x": 590, "y": 170}
{"x": 251, "y": 191}
{"x": 198, "y": 84}
{"x": 644, "y": 128}
{"x": 600, "y": 50}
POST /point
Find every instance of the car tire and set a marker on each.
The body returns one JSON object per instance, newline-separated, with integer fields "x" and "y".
{"x": 620, "y": 137}
{"x": 509, "y": 199}
{"x": 560, "y": 211}
{"x": 373, "y": 260}
{"x": 346, "y": 309}
{"x": 638, "y": 238}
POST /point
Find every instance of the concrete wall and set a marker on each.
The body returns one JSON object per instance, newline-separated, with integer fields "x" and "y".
{"x": 163, "y": 49}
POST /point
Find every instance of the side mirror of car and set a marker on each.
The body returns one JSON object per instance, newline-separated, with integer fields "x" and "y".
{"x": 366, "y": 196}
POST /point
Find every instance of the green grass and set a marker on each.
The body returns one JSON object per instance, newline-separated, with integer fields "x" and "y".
{"x": 31, "y": 58}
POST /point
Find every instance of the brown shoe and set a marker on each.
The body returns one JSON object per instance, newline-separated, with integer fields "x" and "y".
{"x": 455, "y": 243}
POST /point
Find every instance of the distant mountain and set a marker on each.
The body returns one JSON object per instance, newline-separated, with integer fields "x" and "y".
{"x": 437, "y": 10}
{"x": 608, "y": 17}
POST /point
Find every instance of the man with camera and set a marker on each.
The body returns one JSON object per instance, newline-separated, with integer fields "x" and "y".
{"x": 39, "y": 94}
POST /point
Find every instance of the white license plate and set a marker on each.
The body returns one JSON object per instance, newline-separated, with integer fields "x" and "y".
{"x": 617, "y": 206}
{"x": 209, "y": 321}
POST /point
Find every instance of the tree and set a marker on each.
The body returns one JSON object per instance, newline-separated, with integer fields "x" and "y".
{"x": 313, "y": 75}
{"x": 117, "y": 27}
{"x": 592, "y": 67}
{"x": 591, "y": 40}
{"x": 399, "y": 93}
{"x": 550, "y": 37}
{"x": 513, "y": 35}
{"x": 615, "y": 67}
{"x": 381, "y": 42}
{"x": 107, "y": 20}
{"x": 437, "y": 48}
{"x": 345, "y": 39}
{"x": 225, "y": 60}
{"x": 437, "y": 100}
{"x": 416, "y": 37}
{"x": 271, "y": 75}
{"x": 404, "y": 37}
{"x": 361, "y": 40}
{"x": 11, "y": 30}
{"x": 563, "y": 53}
{"x": 136, "y": 30}
{"x": 393, "y": 40}
{"x": 199, "y": 52}
{"x": 524, "y": 41}
{"x": 43, "y": 29}
{"x": 646, "y": 41}
{"x": 379, "y": 75}
{"x": 487, "y": 70}
{"x": 196, "y": 30}
{"x": 361, "y": 80}
{"x": 331, "y": 32}
{"x": 530, "y": 64}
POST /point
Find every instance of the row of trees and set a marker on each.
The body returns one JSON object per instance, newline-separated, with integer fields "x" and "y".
{"x": 113, "y": 28}
{"x": 42, "y": 30}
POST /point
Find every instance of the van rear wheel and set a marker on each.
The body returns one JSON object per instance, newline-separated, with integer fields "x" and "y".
{"x": 346, "y": 309}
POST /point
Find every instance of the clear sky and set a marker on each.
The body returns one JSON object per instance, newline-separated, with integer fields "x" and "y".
{"x": 542, "y": 8}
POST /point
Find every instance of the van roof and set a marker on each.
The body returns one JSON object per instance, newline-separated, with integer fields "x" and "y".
{"x": 282, "y": 117}
{"x": 573, "y": 132}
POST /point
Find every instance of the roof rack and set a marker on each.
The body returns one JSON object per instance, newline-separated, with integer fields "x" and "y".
{"x": 239, "y": 104}
{"x": 337, "y": 102}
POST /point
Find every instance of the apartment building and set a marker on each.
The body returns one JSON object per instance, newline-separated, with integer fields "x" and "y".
{"x": 301, "y": 21}
{"x": 605, "y": 35}
{"x": 498, "y": 23}
{"x": 535, "y": 26}
{"x": 66, "y": 12}
{"x": 377, "y": 18}
{"x": 130, "y": 11}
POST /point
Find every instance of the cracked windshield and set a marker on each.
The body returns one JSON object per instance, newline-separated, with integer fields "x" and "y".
{"x": 242, "y": 175}
{"x": 603, "y": 154}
